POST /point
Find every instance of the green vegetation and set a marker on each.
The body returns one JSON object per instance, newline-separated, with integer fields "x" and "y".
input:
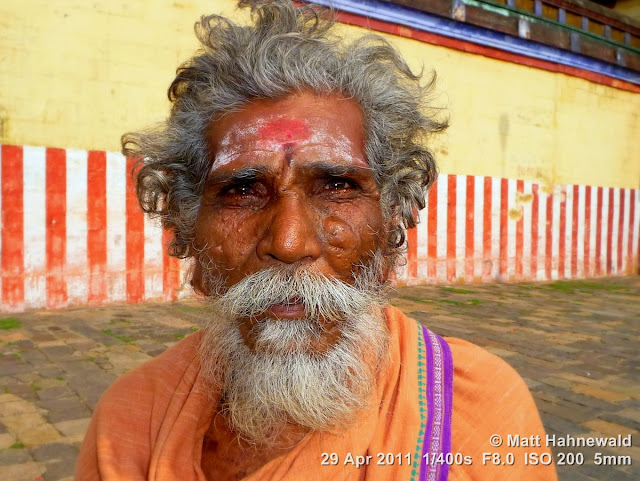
{"x": 457, "y": 290}
{"x": 183, "y": 307}
{"x": 116, "y": 321}
{"x": 470, "y": 302}
{"x": 17, "y": 446}
{"x": 571, "y": 287}
{"x": 179, "y": 335}
{"x": 9, "y": 323}
{"x": 109, "y": 332}
{"x": 35, "y": 387}
{"x": 417, "y": 299}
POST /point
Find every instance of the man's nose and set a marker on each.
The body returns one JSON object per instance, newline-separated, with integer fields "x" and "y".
{"x": 292, "y": 235}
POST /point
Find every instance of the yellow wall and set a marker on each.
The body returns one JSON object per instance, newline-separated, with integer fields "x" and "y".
{"x": 78, "y": 74}
{"x": 510, "y": 120}
{"x": 631, "y": 8}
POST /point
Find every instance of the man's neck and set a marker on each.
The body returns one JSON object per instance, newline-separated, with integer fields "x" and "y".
{"x": 226, "y": 457}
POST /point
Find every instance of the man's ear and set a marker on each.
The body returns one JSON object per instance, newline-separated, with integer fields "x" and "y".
{"x": 388, "y": 251}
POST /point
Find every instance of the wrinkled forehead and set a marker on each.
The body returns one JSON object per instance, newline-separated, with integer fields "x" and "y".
{"x": 272, "y": 130}
{"x": 300, "y": 121}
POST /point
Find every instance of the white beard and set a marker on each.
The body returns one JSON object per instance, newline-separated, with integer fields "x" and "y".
{"x": 283, "y": 381}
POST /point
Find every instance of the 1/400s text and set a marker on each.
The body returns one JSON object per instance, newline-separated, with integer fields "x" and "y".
{"x": 434, "y": 459}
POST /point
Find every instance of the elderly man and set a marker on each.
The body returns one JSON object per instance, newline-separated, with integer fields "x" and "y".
{"x": 289, "y": 168}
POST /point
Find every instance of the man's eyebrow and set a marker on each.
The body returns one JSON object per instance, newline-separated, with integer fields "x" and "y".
{"x": 234, "y": 176}
{"x": 333, "y": 170}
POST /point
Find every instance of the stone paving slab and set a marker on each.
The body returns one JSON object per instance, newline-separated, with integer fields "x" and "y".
{"x": 574, "y": 342}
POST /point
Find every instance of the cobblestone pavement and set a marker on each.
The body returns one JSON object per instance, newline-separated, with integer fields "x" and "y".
{"x": 575, "y": 343}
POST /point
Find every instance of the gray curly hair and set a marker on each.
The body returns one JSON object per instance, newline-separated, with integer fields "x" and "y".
{"x": 287, "y": 49}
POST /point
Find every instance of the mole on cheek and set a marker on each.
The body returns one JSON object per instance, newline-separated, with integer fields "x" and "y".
{"x": 339, "y": 234}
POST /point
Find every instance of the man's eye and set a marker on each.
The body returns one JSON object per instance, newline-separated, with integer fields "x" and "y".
{"x": 338, "y": 184}
{"x": 243, "y": 195}
{"x": 242, "y": 189}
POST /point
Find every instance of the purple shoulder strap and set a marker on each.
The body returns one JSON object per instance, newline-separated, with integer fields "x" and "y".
{"x": 435, "y": 380}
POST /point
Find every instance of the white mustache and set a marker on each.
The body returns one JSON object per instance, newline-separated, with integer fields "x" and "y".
{"x": 323, "y": 297}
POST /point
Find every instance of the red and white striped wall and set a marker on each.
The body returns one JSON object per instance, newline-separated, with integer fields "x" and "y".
{"x": 73, "y": 233}
{"x": 483, "y": 229}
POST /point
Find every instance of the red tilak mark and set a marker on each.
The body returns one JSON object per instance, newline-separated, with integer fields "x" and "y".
{"x": 285, "y": 131}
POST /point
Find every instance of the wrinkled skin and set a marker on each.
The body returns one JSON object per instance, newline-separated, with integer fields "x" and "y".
{"x": 290, "y": 185}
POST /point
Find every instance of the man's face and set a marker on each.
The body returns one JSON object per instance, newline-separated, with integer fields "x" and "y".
{"x": 289, "y": 185}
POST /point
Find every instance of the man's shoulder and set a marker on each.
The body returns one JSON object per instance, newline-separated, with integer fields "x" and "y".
{"x": 157, "y": 378}
{"x": 473, "y": 365}
{"x": 476, "y": 365}
{"x": 482, "y": 378}
{"x": 130, "y": 414}
{"x": 491, "y": 400}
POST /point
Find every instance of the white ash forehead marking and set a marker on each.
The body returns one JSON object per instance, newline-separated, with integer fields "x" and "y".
{"x": 245, "y": 128}
{"x": 331, "y": 144}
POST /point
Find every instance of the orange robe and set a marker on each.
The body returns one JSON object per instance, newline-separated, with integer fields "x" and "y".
{"x": 150, "y": 424}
